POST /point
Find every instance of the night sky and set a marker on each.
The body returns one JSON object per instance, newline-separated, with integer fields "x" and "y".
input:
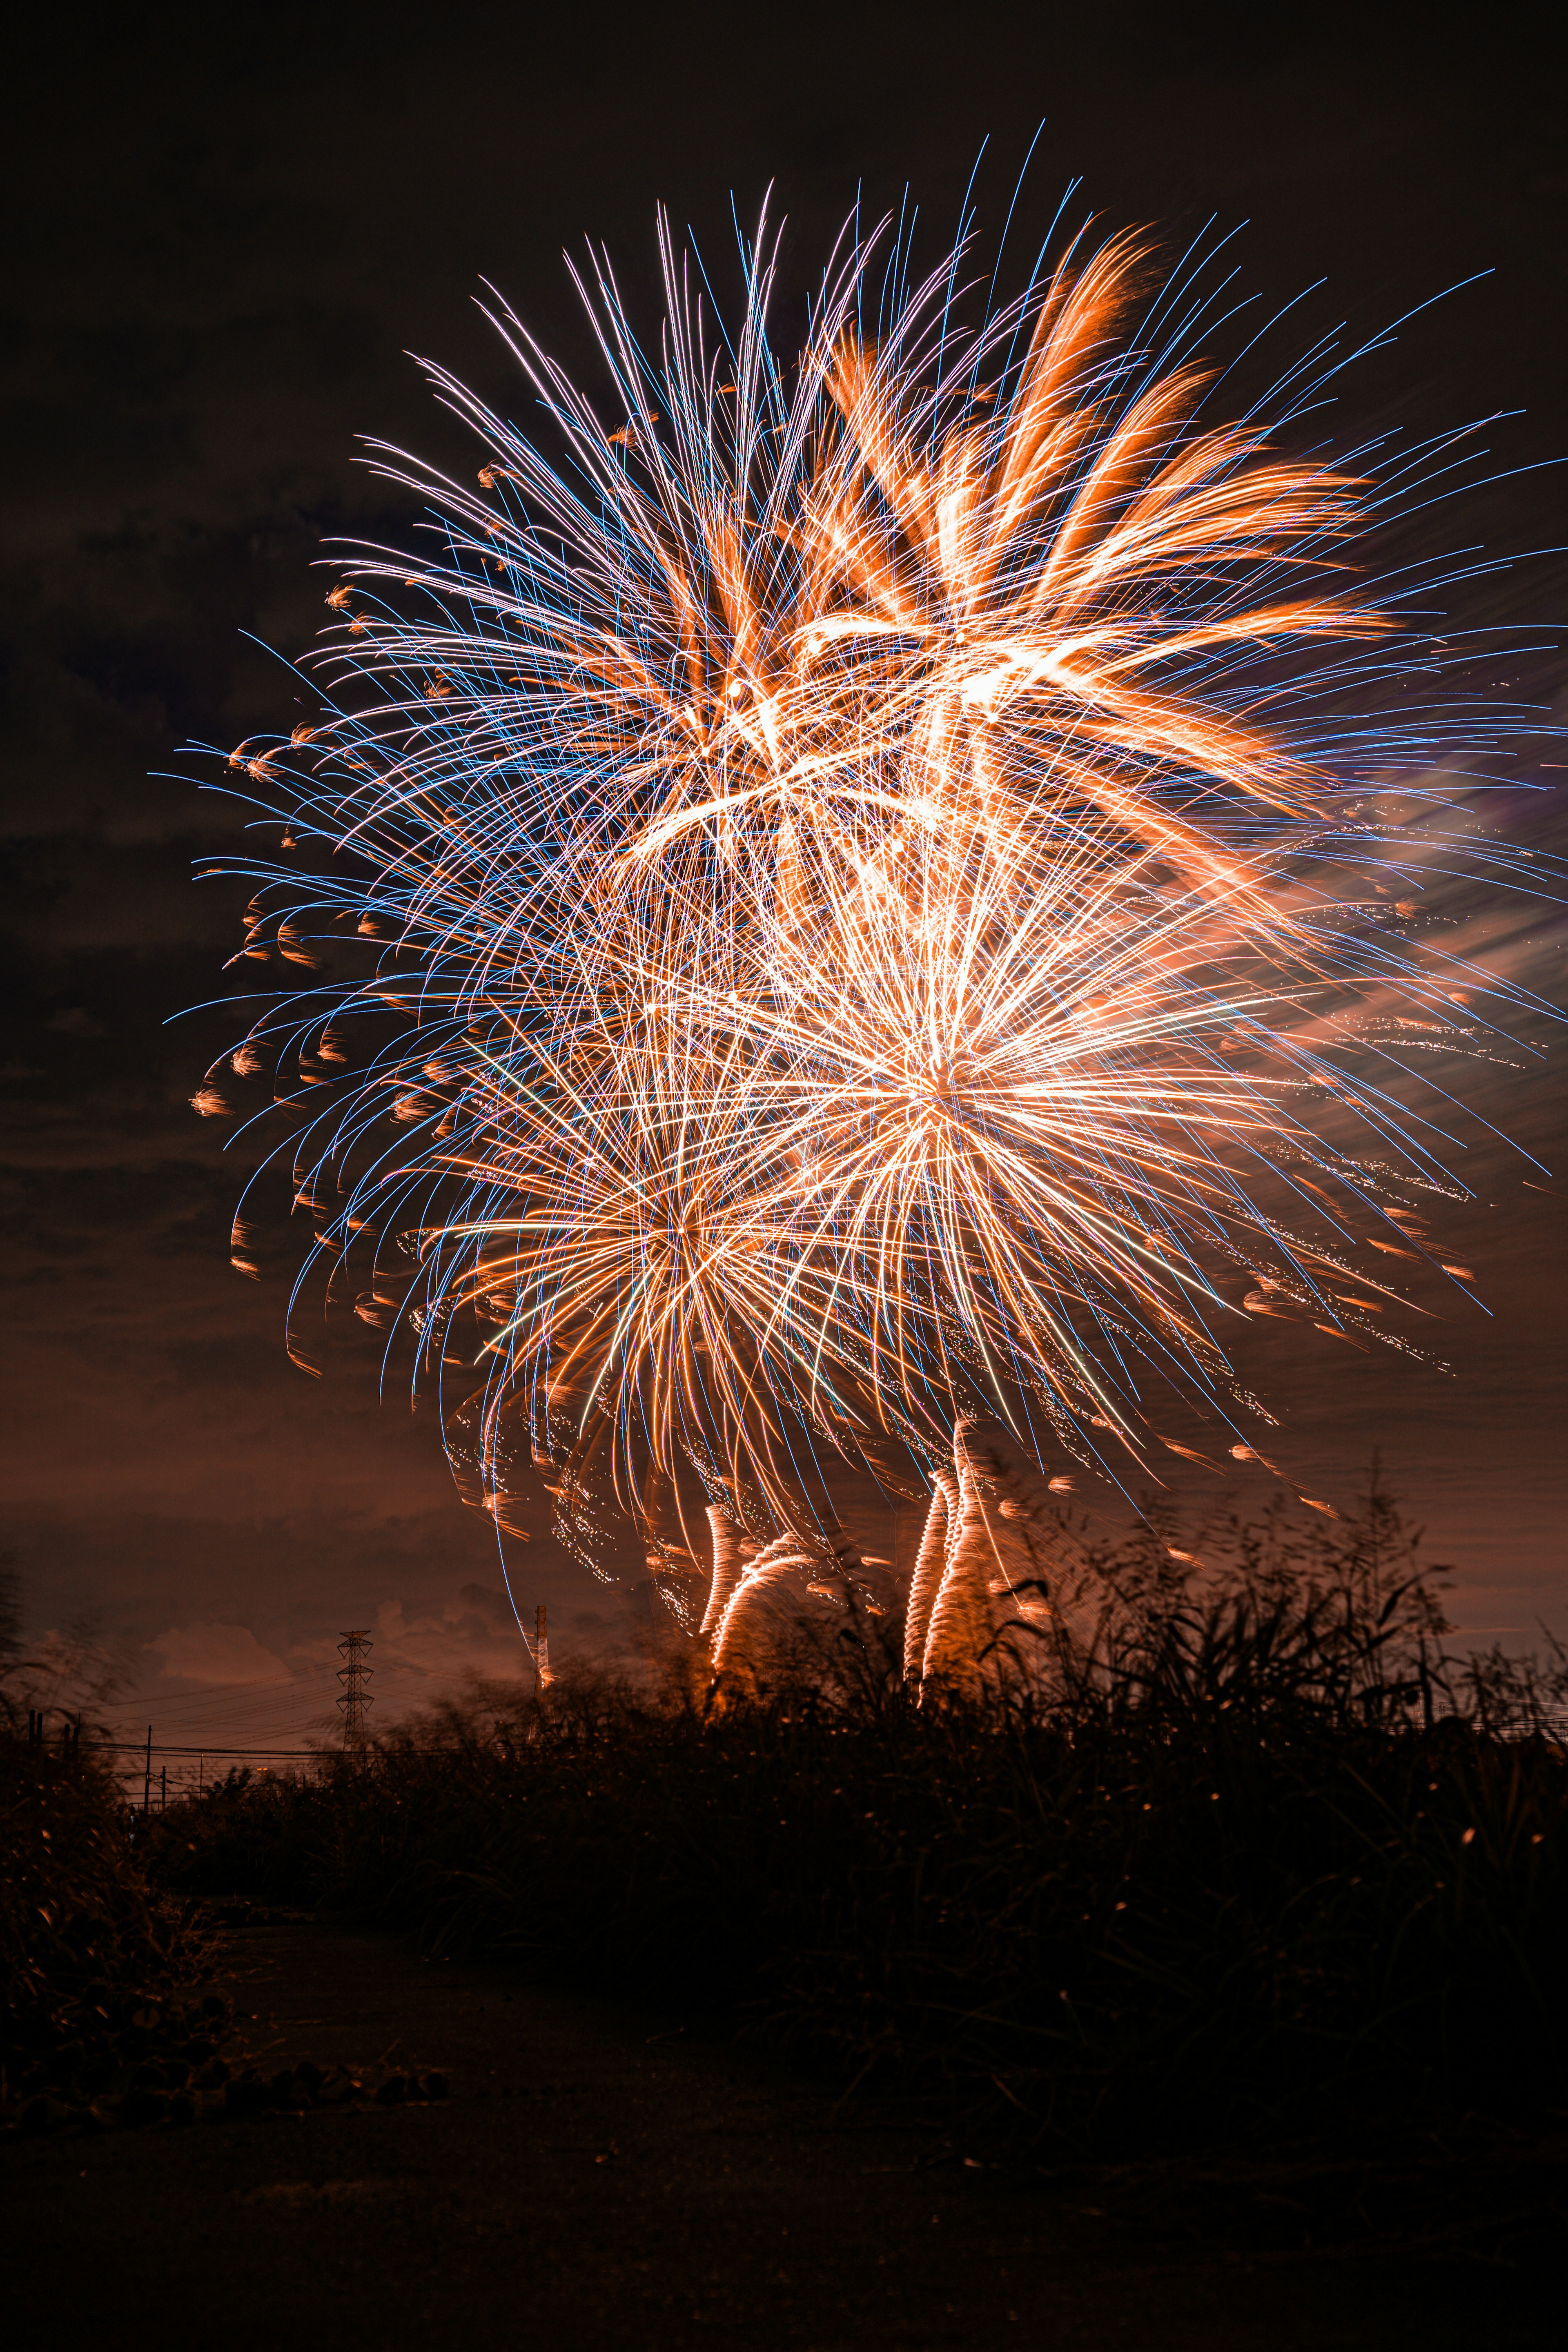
{"x": 226, "y": 253}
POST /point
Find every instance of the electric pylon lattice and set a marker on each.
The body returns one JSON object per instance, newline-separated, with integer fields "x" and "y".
{"x": 353, "y": 1675}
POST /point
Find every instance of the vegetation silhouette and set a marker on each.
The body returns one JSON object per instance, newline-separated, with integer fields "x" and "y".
{"x": 99, "y": 2018}
{"x": 1257, "y": 1854}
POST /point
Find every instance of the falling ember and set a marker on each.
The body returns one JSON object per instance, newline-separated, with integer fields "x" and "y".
{"x": 864, "y": 958}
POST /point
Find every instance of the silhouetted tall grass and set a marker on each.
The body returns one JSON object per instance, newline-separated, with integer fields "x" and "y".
{"x": 1255, "y": 1854}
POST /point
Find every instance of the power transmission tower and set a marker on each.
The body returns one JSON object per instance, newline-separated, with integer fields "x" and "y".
{"x": 353, "y": 1675}
{"x": 540, "y": 1652}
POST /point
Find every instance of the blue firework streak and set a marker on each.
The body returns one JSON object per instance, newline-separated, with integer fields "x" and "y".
{"x": 847, "y": 895}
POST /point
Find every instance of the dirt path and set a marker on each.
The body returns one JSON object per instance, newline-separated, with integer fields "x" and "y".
{"x": 598, "y": 2180}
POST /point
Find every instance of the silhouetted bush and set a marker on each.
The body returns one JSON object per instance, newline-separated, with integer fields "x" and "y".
{"x": 1257, "y": 1856}
{"x": 95, "y": 1961}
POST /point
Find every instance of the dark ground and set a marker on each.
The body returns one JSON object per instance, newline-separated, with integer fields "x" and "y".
{"x": 603, "y": 2176}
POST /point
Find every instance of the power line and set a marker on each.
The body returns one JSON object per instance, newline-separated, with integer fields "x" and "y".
{"x": 160, "y": 1747}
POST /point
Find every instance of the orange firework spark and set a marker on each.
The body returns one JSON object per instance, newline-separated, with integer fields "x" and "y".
{"x": 857, "y": 861}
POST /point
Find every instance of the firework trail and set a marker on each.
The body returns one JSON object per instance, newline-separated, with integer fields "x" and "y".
{"x": 873, "y": 914}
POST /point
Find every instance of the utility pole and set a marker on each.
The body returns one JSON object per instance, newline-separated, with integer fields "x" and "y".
{"x": 147, "y": 1780}
{"x": 353, "y": 1675}
{"x": 540, "y": 1653}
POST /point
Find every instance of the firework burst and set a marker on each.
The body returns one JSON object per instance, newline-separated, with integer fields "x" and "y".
{"x": 870, "y": 913}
